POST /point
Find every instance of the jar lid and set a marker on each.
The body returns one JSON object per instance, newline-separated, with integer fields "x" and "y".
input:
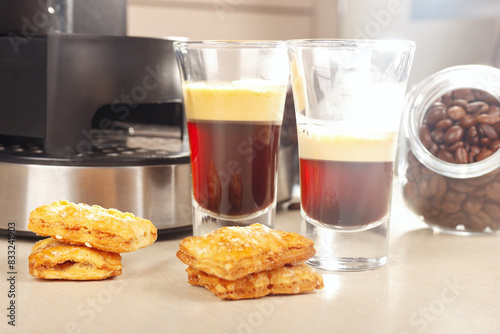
{"x": 427, "y": 92}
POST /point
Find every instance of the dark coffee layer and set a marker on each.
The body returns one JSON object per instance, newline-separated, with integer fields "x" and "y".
{"x": 234, "y": 165}
{"x": 345, "y": 194}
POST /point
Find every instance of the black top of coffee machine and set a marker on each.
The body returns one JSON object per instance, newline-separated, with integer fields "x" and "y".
{"x": 76, "y": 90}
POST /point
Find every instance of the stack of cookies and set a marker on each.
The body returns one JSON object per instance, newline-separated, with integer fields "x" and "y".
{"x": 250, "y": 262}
{"x": 85, "y": 241}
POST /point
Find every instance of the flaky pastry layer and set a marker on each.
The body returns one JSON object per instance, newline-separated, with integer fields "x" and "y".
{"x": 108, "y": 230}
{"x": 296, "y": 279}
{"x": 51, "y": 259}
{"x": 234, "y": 252}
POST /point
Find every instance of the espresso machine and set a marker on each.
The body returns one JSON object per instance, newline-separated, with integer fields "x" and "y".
{"x": 89, "y": 114}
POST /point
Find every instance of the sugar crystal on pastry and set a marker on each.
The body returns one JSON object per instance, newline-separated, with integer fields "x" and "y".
{"x": 109, "y": 230}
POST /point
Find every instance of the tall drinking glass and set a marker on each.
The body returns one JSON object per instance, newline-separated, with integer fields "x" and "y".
{"x": 234, "y": 94}
{"x": 348, "y": 97}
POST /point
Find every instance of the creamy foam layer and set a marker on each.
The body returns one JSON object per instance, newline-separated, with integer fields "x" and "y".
{"x": 250, "y": 100}
{"x": 342, "y": 145}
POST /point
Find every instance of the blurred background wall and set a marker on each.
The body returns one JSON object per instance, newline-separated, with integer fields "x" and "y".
{"x": 233, "y": 19}
{"x": 447, "y": 32}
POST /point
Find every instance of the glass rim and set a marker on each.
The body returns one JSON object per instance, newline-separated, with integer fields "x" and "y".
{"x": 388, "y": 44}
{"x": 229, "y": 44}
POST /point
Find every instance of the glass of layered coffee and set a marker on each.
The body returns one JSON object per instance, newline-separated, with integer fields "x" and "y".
{"x": 348, "y": 96}
{"x": 234, "y": 94}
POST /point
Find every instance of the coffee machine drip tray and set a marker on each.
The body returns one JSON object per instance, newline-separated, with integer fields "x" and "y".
{"x": 143, "y": 169}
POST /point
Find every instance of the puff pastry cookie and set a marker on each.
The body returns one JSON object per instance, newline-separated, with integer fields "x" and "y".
{"x": 51, "y": 259}
{"x": 234, "y": 252}
{"x": 285, "y": 280}
{"x": 93, "y": 226}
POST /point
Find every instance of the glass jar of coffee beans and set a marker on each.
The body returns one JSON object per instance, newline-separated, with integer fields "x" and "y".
{"x": 449, "y": 164}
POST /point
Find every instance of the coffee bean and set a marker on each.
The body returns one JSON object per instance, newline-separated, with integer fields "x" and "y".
{"x": 481, "y": 95}
{"x": 434, "y": 149}
{"x": 472, "y": 136}
{"x": 454, "y": 134}
{"x": 460, "y": 103}
{"x": 437, "y": 136}
{"x": 461, "y": 186}
{"x": 456, "y": 113}
{"x": 435, "y": 219}
{"x": 493, "y": 191}
{"x": 472, "y": 205}
{"x": 439, "y": 220}
{"x": 453, "y": 220}
{"x": 411, "y": 190}
{"x": 451, "y": 207}
{"x": 486, "y": 130}
{"x": 484, "y": 142}
{"x": 478, "y": 107}
{"x": 413, "y": 173}
{"x": 446, "y": 98}
{"x": 425, "y": 137}
{"x": 436, "y": 112}
{"x": 488, "y": 119}
{"x": 494, "y": 111}
{"x": 454, "y": 196}
{"x": 438, "y": 185}
{"x": 495, "y": 145}
{"x": 478, "y": 222}
{"x": 421, "y": 204}
{"x": 437, "y": 203}
{"x": 468, "y": 121}
{"x": 492, "y": 210}
{"x": 475, "y": 149}
{"x": 461, "y": 156}
{"x": 434, "y": 212}
{"x": 455, "y": 146}
{"x": 446, "y": 156}
{"x": 446, "y": 123}
{"x": 480, "y": 192}
{"x": 473, "y": 152}
{"x": 495, "y": 224}
{"x": 424, "y": 188}
{"x": 483, "y": 155}
{"x": 484, "y": 216}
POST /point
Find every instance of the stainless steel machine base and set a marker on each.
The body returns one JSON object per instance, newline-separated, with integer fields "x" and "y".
{"x": 151, "y": 183}
{"x": 161, "y": 194}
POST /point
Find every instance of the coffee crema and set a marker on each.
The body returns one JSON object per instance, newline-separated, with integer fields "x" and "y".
{"x": 244, "y": 101}
{"x": 322, "y": 142}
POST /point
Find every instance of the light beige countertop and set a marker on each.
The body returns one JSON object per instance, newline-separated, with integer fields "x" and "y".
{"x": 433, "y": 283}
